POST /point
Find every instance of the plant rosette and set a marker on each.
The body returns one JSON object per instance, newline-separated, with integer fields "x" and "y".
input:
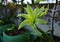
{"x": 34, "y": 17}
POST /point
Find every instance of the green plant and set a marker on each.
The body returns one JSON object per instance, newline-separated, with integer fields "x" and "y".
{"x": 1, "y": 6}
{"x": 8, "y": 27}
{"x": 11, "y": 34}
{"x": 1, "y": 22}
{"x": 33, "y": 17}
{"x": 1, "y": 26}
{"x": 14, "y": 1}
{"x": 9, "y": 18}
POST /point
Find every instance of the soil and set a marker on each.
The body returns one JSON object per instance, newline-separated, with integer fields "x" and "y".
{"x": 15, "y": 32}
{"x": 57, "y": 39}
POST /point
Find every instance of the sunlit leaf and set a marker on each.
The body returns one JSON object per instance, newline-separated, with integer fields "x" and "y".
{"x": 44, "y": 13}
{"x": 41, "y": 21}
{"x": 23, "y": 24}
{"x": 35, "y": 12}
{"x": 29, "y": 10}
{"x": 41, "y": 10}
{"x": 23, "y": 15}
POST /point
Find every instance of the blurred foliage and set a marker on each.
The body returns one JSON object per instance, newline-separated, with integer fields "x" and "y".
{"x": 10, "y": 13}
{"x": 1, "y": 22}
{"x": 12, "y": 6}
{"x": 2, "y": 1}
{"x": 9, "y": 27}
{"x": 1, "y": 6}
{"x": 14, "y": 1}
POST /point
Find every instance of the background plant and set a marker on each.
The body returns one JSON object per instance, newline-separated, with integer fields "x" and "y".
{"x": 10, "y": 13}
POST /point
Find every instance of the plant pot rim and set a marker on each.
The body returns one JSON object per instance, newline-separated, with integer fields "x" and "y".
{"x": 16, "y": 35}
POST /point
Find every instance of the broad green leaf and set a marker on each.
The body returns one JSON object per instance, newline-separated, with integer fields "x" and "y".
{"x": 41, "y": 10}
{"x": 26, "y": 16}
{"x": 23, "y": 24}
{"x": 29, "y": 10}
{"x": 23, "y": 15}
{"x": 44, "y": 13}
{"x": 29, "y": 13}
{"x": 30, "y": 18}
{"x": 35, "y": 12}
{"x": 41, "y": 21}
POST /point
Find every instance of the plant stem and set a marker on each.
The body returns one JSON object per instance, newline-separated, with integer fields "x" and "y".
{"x": 46, "y": 35}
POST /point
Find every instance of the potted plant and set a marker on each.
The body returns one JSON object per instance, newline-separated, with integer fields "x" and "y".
{"x": 32, "y": 18}
{"x": 1, "y": 29}
{"x": 1, "y": 24}
{"x": 10, "y": 30}
{"x": 11, "y": 34}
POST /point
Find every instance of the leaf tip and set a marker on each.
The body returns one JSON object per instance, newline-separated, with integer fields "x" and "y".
{"x": 19, "y": 28}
